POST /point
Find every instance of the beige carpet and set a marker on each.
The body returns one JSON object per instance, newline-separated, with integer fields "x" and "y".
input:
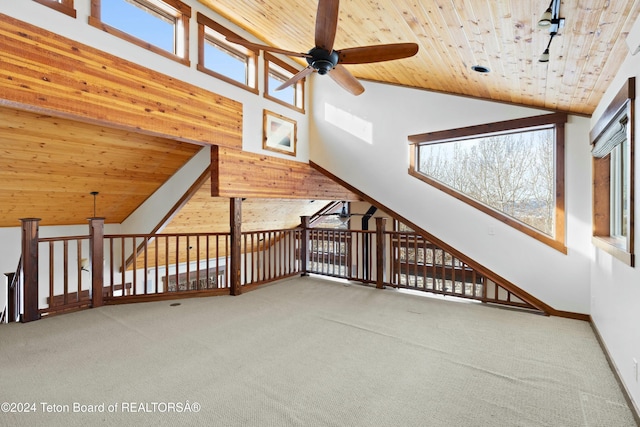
{"x": 308, "y": 352}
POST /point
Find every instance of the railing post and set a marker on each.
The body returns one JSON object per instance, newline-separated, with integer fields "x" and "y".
{"x": 96, "y": 252}
{"x": 236, "y": 245}
{"x": 30, "y": 269}
{"x": 381, "y": 252}
{"x": 304, "y": 244}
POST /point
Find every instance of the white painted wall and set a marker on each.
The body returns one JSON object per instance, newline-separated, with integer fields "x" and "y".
{"x": 615, "y": 287}
{"x": 380, "y": 169}
{"x": 151, "y": 212}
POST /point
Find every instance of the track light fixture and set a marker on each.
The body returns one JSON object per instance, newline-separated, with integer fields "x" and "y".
{"x": 545, "y": 55}
{"x": 550, "y": 19}
{"x": 545, "y": 20}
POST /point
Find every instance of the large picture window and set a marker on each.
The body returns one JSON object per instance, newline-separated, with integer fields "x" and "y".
{"x": 613, "y": 177}
{"x": 224, "y": 60}
{"x": 161, "y": 26}
{"x": 512, "y": 170}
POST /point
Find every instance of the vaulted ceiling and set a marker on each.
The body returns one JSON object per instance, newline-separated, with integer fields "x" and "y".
{"x": 455, "y": 35}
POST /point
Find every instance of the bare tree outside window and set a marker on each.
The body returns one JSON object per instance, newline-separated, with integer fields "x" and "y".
{"x": 513, "y": 173}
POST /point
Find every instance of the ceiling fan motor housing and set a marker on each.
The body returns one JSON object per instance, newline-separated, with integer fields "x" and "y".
{"x": 322, "y": 60}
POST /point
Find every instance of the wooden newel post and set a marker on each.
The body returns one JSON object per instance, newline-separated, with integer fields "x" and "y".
{"x": 381, "y": 252}
{"x": 30, "y": 269}
{"x": 304, "y": 245}
{"x": 96, "y": 252}
{"x": 236, "y": 246}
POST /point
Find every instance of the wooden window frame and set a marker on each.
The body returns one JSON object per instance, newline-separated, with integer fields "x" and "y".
{"x": 183, "y": 15}
{"x": 620, "y": 248}
{"x": 252, "y": 56}
{"x": 64, "y": 6}
{"x": 556, "y": 120}
{"x": 299, "y": 86}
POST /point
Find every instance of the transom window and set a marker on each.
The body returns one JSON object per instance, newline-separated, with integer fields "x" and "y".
{"x": 64, "y": 6}
{"x": 511, "y": 170}
{"x": 276, "y": 73}
{"x": 224, "y": 60}
{"x": 161, "y": 26}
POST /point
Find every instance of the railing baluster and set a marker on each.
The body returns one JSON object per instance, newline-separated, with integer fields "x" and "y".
{"x": 135, "y": 266}
{"x": 156, "y": 278}
{"x": 79, "y": 268}
{"x": 145, "y": 242}
{"x": 208, "y": 238}
{"x": 65, "y": 270}
{"x": 51, "y": 273}
{"x": 111, "y": 269}
{"x": 123, "y": 265}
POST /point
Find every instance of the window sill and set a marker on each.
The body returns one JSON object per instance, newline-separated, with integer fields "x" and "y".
{"x": 286, "y": 104}
{"x": 614, "y": 248}
{"x": 226, "y": 79}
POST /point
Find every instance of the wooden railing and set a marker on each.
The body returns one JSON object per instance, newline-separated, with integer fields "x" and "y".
{"x": 421, "y": 265}
{"x": 404, "y": 260}
{"x": 63, "y": 265}
{"x": 69, "y": 273}
{"x": 76, "y": 272}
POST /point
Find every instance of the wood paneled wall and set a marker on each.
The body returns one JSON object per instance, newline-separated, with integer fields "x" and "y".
{"x": 236, "y": 173}
{"x": 45, "y": 72}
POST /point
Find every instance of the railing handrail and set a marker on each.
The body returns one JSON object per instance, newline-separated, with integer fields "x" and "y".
{"x": 145, "y": 235}
{"x": 16, "y": 276}
{"x": 62, "y": 239}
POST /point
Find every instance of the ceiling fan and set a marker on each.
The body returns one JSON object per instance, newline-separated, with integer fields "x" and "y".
{"x": 323, "y": 59}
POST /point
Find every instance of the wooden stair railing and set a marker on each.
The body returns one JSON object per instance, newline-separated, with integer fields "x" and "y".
{"x": 408, "y": 260}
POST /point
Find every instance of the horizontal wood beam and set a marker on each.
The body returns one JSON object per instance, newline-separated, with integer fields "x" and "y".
{"x": 43, "y": 72}
{"x": 236, "y": 173}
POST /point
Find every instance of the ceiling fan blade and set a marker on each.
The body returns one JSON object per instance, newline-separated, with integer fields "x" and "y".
{"x": 327, "y": 23}
{"x": 299, "y": 76}
{"x": 344, "y": 78}
{"x": 252, "y": 46}
{"x": 378, "y": 53}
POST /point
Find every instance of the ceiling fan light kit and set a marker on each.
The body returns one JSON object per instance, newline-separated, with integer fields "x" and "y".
{"x": 325, "y": 60}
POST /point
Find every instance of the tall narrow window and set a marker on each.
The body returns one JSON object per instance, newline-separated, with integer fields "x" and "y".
{"x": 64, "y": 6}
{"x": 276, "y": 73}
{"x": 619, "y": 213}
{"x": 161, "y": 26}
{"x": 224, "y": 60}
{"x": 512, "y": 170}
{"x": 613, "y": 177}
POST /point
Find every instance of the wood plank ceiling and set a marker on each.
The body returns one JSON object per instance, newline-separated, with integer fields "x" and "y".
{"x": 455, "y": 35}
{"x": 49, "y": 166}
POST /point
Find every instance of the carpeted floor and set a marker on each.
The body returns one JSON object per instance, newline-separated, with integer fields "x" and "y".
{"x": 307, "y": 352}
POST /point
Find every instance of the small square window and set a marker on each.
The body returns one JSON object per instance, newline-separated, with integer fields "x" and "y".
{"x": 276, "y": 73}
{"x": 224, "y": 60}
{"x": 161, "y": 26}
